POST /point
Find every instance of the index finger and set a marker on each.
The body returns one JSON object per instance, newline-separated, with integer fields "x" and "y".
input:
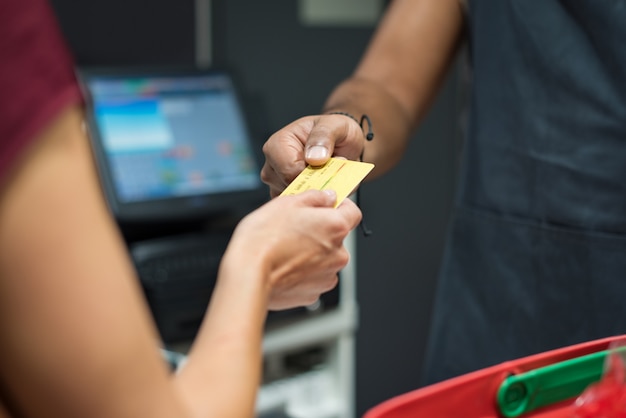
{"x": 284, "y": 154}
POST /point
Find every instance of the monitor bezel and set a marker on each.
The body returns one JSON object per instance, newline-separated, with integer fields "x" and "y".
{"x": 181, "y": 208}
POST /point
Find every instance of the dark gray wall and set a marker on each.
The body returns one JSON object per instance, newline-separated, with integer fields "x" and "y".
{"x": 285, "y": 71}
{"x": 128, "y": 32}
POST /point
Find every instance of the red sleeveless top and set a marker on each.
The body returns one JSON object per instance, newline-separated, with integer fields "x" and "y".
{"x": 36, "y": 75}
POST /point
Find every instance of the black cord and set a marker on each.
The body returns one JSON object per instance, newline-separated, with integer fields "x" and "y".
{"x": 368, "y": 136}
{"x": 364, "y": 229}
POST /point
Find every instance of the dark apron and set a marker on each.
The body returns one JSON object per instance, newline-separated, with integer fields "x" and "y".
{"x": 536, "y": 256}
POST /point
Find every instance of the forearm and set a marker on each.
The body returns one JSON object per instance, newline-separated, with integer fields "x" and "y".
{"x": 223, "y": 371}
{"x": 400, "y": 74}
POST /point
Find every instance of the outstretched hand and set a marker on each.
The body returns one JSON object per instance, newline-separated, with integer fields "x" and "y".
{"x": 298, "y": 242}
{"x": 308, "y": 140}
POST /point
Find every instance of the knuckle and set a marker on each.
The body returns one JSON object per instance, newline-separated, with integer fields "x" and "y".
{"x": 266, "y": 148}
{"x": 266, "y": 175}
{"x": 332, "y": 283}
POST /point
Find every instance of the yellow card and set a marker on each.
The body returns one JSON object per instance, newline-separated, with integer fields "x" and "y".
{"x": 342, "y": 176}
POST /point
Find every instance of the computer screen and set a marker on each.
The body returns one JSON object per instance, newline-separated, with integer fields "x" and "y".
{"x": 170, "y": 144}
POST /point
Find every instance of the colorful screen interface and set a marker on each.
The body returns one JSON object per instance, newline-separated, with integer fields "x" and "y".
{"x": 173, "y": 136}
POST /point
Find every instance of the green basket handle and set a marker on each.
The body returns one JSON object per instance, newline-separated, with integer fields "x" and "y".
{"x": 525, "y": 392}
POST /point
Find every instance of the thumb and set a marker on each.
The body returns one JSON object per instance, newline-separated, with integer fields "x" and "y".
{"x": 321, "y": 141}
{"x": 318, "y": 198}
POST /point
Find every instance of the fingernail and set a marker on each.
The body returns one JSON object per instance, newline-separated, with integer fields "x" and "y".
{"x": 332, "y": 194}
{"x": 317, "y": 152}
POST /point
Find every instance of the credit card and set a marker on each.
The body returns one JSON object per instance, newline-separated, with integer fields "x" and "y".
{"x": 342, "y": 176}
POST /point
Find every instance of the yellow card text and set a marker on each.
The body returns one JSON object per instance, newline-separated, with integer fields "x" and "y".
{"x": 340, "y": 175}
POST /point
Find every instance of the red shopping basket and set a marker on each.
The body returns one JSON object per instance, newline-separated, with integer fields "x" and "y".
{"x": 539, "y": 386}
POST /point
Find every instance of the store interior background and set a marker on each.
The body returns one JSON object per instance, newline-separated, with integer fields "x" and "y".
{"x": 285, "y": 68}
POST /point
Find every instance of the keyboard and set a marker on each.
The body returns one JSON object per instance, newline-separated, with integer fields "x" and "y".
{"x": 178, "y": 275}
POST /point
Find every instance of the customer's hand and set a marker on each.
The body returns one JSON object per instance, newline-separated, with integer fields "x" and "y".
{"x": 297, "y": 242}
{"x": 309, "y": 140}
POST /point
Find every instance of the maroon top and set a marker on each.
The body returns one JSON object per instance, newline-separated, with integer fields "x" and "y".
{"x": 36, "y": 74}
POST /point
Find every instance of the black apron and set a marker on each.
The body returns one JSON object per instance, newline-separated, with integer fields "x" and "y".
{"x": 536, "y": 255}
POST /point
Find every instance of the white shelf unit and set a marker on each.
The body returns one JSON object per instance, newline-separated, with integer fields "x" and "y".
{"x": 325, "y": 388}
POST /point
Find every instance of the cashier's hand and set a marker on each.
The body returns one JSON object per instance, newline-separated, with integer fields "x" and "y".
{"x": 297, "y": 241}
{"x": 308, "y": 140}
